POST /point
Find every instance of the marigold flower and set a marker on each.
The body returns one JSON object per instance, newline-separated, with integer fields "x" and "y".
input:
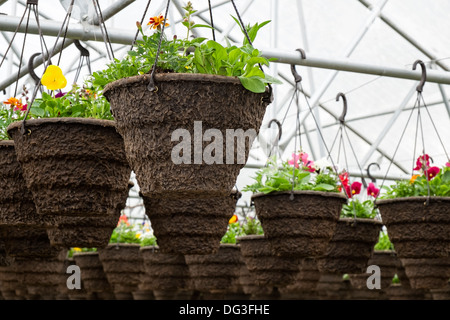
{"x": 157, "y": 21}
{"x": 12, "y": 102}
{"x": 233, "y": 219}
{"x": 53, "y": 78}
{"x": 413, "y": 178}
{"x": 372, "y": 190}
{"x": 432, "y": 172}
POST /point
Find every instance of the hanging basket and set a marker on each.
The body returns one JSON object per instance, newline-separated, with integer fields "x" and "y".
{"x": 216, "y": 275}
{"x": 123, "y": 267}
{"x": 146, "y": 120}
{"x": 351, "y": 247}
{"x": 305, "y": 284}
{"x": 22, "y": 230}
{"x": 190, "y": 226}
{"x": 267, "y": 268}
{"x": 417, "y": 230}
{"x": 72, "y": 166}
{"x": 167, "y": 275}
{"x": 301, "y": 227}
{"x": 427, "y": 273}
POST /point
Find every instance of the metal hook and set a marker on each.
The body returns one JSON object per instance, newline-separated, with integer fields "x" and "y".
{"x": 344, "y": 112}
{"x": 84, "y": 52}
{"x": 297, "y": 77}
{"x": 368, "y": 171}
{"x": 280, "y": 131}
{"x": 31, "y": 68}
{"x": 424, "y": 74}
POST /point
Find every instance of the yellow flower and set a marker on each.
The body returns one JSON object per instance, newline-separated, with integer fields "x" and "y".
{"x": 77, "y": 249}
{"x": 413, "y": 178}
{"x": 157, "y": 21}
{"x": 233, "y": 219}
{"x": 138, "y": 235}
{"x": 53, "y": 78}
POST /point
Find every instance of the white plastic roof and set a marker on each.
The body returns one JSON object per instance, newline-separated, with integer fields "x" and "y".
{"x": 382, "y": 34}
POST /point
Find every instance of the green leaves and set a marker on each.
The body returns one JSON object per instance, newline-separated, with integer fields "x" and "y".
{"x": 359, "y": 209}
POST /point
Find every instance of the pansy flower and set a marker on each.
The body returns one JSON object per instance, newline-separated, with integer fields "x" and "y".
{"x": 233, "y": 219}
{"x": 53, "y": 78}
{"x": 422, "y": 162}
{"x": 372, "y": 190}
{"x": 432, "y": 172}
{"x": 355, "y": 188}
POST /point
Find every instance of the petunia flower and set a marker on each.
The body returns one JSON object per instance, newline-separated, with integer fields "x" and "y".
{"x": 422, "y": 162}
{"x": 233, "y": 219}
{"x": 157, "y": 21}
{"x": 447, "y": 164}
{"x": 372, "y": 190}
{"x": 432, "y": 172}
{"x": 53, "y": 78}
{"x": 294, "y": 160}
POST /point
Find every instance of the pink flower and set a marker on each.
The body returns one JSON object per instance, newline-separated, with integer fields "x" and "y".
{"x": 355, "y": 188}
{"x": 447, "y": 164}
{"x": 303, "y": 157}
{"x": 294, "y": 160}
{"x": 372, "y": 190}
{"x": 432, "y": 172}
{"x": 60, "y": 94}
{"x": 422, "y": 162}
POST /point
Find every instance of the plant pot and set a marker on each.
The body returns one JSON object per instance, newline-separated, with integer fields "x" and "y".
{"x": 167, "y": 275}
{"x": 415, "y": 229}
{"x": 400, "y": 292}
{"x": 351, "y": 247}
{"x": 190, "y": 226}
{"x": 301, "y": 227}
{"x": 10, "y": 286}
{"x": 72, "y": 166}
{"x": 387, "y": 260}
{"x": 146, "y": 120}
{"x": 22, "y": 230}
{"x": 216, "y": 273}
{"x": 304, "y": 287}
{"x": 267, "y": 268}
{"x": 332, "y": 286}
{"x": 427, "y": 273}
{"x": 253, "y": 290}
{"x": 123, "y": 266}
{"x": 441, "y": 294}
{"x": 93, "y": 277}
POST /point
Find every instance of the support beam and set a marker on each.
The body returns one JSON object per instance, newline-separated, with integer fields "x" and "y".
{"x": 107, "y": 14}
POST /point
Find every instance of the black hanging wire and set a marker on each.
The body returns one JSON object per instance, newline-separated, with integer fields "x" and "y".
{"x": 84, "y": 57}
{"x": 212, "y": 21}
{"x": 419, "y": 127}
{"x": 151, "y": 86}
{"x": 103, "y": 29}
{"x": 142, "y": 21}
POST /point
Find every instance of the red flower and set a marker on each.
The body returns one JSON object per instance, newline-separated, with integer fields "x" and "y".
{"x": 447, "y": 164}
{"x": 157, "y": 21}
{"x": 422, "y": 162}
{"x": 123, "y": 219}
{"x": 372, "y": 190}
{"x": 432, "y": 172}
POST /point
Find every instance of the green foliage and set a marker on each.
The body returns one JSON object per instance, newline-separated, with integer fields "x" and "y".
{"x": 439, "y": 186}
{"x": 250, "y": 226}
{"x": 234, "y": 230}
{"x": 175, "y": 55}
{"x": 148, "y": 241}
{"x": 362, "y": 209}
{"x": 286, "y": 178}
{"x": 125, "y": 233}
{"x": 78, "y": 102}
{"x": 73, "y": 251}
{"x": 7, "y": 116}
{"x": 384, "y": 243}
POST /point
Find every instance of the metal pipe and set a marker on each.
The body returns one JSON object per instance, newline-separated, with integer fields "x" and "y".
{"x": 107, "y": 13}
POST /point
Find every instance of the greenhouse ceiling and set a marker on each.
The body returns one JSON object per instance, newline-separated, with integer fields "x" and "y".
{"x": 364, "y": 49}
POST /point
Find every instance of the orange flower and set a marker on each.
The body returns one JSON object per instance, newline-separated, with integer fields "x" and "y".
{"x": 13, "y": 102}
{"x": 123, "y": 219}
{"x": 156, "y": 22}
{"x": 413, "y": 178}
{"x": 233, "y": 219}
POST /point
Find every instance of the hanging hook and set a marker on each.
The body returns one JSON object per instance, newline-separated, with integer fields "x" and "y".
{"x": 31, "y": 68}
{"x": 84, "y": 52}
{"x": 297, "y": 77}
{"x": 280, "y": 131}
{"x": 424, "y": 74}
{"x": 368, "y": 171}
{"x": 344, "y": 112}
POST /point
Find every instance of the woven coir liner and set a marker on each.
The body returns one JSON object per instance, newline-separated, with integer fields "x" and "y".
{"x": 72, "y": 166}
{"x": 415, "y": 229}
{"x": 301, "y": 227}
{"x": 387, "y": 260}
{"x": 218, "y": 272}
{"x": 123, "y": 266}
{"x": 190, "y": 226}
{"x": 166, "y": 274}
{"x": 266, "y": 267}
{"x": 146, "y": 120}
{"x": 305, "y": 283}
{"x": 22, "y": 230}
{"x": 427, "y": 273}
{"x": 93, "y": 277}
{"x": 351, "y": 247}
